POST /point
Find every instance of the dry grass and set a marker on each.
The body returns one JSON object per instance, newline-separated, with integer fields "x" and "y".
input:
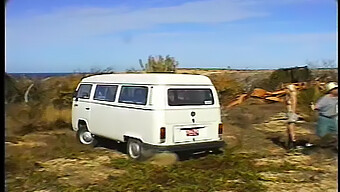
{"x": 50, "y": 114}
{"x": 22, "y": 119}
{"x": 226, "y": 87}
{"x": 246, "y": 115}
{"x": 49, "y": 106}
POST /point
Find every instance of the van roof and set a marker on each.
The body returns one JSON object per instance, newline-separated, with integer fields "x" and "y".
{"x": 154, "y": 79}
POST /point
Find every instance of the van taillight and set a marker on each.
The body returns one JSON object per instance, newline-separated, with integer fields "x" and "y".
{"x": 220, "y": 129}
{"x": 162, "y": 135}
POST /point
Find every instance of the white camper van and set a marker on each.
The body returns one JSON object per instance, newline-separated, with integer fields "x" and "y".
{"x": 151, "y": 112}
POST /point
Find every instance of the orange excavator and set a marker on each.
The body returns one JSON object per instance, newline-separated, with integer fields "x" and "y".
{"x": 277, "y": 95}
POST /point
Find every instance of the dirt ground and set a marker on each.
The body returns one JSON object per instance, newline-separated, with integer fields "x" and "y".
{"x": 262, "y": 129}
{"x": 54, "y": 161}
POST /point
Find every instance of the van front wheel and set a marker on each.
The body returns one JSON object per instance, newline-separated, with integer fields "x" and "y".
{"x": 136, "y": 150}
{"x": 85, "y": 137}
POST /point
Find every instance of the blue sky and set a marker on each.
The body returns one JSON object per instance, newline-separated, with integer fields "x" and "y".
{"x": 69, "y": 35}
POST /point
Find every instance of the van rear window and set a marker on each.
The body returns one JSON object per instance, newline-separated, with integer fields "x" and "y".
{"x": 181, "y": 97}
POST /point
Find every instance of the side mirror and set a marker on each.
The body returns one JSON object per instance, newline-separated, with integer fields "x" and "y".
{"x": 75, "y": 94}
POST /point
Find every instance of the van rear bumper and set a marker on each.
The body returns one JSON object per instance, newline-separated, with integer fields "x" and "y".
{"x": 187, "y": 147}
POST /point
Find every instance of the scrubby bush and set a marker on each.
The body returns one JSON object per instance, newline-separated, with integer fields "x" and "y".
{"x": 97, "y": 70}
{"x": 304, "y": 100}
{"x": 48, "y": 107}
{"x": 131, "y": 70}
{"x": 325, "y": 75}
{"x": 160, "y": 64}
{"x": 286, "y": 75}
{"x": 226, "y": 87}
{"x": 15, "y": 88}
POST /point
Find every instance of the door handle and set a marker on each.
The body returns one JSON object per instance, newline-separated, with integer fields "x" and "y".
{"x": 75, "y": 105}
{"x": 87, "y": 108}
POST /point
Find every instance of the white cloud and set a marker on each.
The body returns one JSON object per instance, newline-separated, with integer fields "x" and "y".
{"x": 68, "y": 24}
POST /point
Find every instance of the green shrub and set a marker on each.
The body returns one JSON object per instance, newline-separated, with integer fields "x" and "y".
{"x": 160, "y": 64}
{"x": 226, "y": 87}
{"x": 286, "y": 75}
{"x": 304, "y": 100}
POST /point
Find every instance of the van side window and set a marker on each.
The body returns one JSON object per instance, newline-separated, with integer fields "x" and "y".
{"x": 105, "y": 93}
{"x": 133, "y": 95}
{"x": 84, "y": 91}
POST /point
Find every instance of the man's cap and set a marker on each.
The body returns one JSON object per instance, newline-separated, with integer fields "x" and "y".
{"x": 330, "y": 86}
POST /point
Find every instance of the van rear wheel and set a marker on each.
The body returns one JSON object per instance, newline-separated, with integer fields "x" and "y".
{"x": 217, "y": 151}
{"x": 136, "y": 151}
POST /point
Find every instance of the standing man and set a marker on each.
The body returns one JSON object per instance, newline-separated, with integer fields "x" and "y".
{"x": 327, "y": 108}
{"x": 291, "y": 114}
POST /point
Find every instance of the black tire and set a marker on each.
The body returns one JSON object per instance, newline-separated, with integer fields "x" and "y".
{"x": 185, "y": 155}
{"x": 86, "y": 140}
{"x": 217, "y": 151}
{"x": 136, "y": 150}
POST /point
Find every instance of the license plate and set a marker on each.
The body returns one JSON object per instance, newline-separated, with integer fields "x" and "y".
{"x": 192, "y": 132}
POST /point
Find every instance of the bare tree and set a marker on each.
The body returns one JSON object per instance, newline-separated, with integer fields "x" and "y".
{"x": 325, "y": 63}
{"x": 97, "y": 70}
{"x": 312, "y": 64}
{"x": 131, "y": 70}
{"x": 328, "y": 63}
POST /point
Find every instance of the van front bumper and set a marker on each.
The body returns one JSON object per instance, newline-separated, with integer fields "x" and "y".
{"x": 187, "y": 147}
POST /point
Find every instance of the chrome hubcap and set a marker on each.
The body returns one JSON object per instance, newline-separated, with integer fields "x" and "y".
{"x": 134, "y": 150}
{"x": 86, "y": 137}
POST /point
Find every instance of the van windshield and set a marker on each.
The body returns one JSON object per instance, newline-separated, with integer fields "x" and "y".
{"x": 181, "y": 97}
